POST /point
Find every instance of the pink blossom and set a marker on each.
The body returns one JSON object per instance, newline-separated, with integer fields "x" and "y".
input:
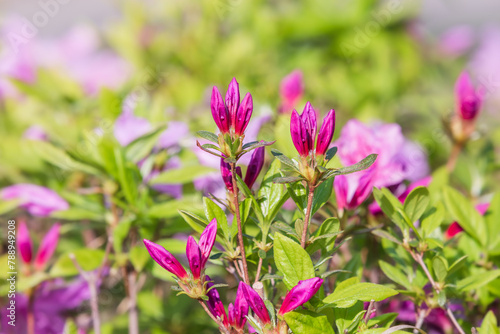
{"x": 37, "y": 200}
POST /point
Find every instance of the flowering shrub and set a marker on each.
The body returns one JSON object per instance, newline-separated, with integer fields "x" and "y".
{"x": 151, "y": 200}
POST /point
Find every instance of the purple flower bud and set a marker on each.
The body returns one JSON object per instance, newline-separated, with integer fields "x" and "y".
{"x": 468, "y": 99}
{"x": 227, "y": 176}
{"x": 255, "y": 302}
{"x": 207, "y": 240}
{"x": 238, "y": 312}
{"x": 243, "y": 115}
{"x": 300, "y": 294}
{"x": 214, "y": 303}
{"x": 326, "y": 133}
{"x": 165, "y": 259}
{"x": 219, "y": 111}
{"x": 255, "y": 166}
{"x": 24, "y": 243}
{"x": 299, "y": 135}
{"x": 194, "y": 257}
{"x": 308, "y": 117}
{"x": 233, "y": 100}
{"x": 47, "y": 247}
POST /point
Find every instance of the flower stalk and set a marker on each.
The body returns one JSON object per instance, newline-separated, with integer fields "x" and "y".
{"x": 307, "y": 219}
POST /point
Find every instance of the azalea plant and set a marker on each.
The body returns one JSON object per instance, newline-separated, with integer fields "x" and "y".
{"x": 277, "y": 180}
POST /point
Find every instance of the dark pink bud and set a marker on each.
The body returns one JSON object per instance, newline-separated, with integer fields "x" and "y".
{"x": 363, "y": 190}
{"x": 299, "y": 135}
{"x": 255, "y": 302}
{"x": 238, "y": 312}
{"x": 214, "y": 303}
{"x": 219, "y": 111}
{"x": 453, "y": 230}
{"x": 233, "y": 100}
{"x": 469, "y": 99}
{"x": 194, "y": 257}
{"x": 326, "y": 133}
{"x": 341, "y": 188}
{"x": 300, "y": 294}
{"x": 165, "y": 259}
{"x": 255, "y": 166}
{"x": 207, "y": 240}
{"x": 308, "y": 117}
{"x": 47, "y": 247}
{"x": 243, "y": 115}
{"x": 24, "y": 243}
{"x": 227, "y": 176}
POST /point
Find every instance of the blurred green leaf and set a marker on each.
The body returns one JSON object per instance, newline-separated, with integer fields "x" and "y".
{"x": 416, "y": 203}
{"x": 304, "y": 321}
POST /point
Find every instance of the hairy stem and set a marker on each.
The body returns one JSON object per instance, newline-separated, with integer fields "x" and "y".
{"x": 259, "y": 268}
{"x": 308, "y": 216}
{"x": 238, "y": 221}
{"x": 420, "y": 261}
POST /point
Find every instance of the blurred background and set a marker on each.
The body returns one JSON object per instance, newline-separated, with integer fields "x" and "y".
{"x": 70, "y": 69}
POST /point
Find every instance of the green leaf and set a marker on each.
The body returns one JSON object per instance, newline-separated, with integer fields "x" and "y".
{"x": 362, "y": 165}
{"x": 393, "y": 208}
{"x": 345, "y": 316}
{"x": 138, "y": 257}
{"x": 361, "y": 291}
{"x": 6, "y": 206}
{"x": 272, "y": 194}
{"x": 212, "y": 211}
{"x": 298, "y": 193}
{"x": 308, "y": 322}
{"x": 432, "y": 219}
{"x": 440, "y": 267}
{"x": 416, "y": 203}
{"x": 284, "y": 159}
{"x": 197, "y": 223}
{"x": 478, "y": 280}
{"x": 208, "y": 136}
{"x": 395, "y": 274}
{"x": 292, "y": 261}
{"x": 245, "y": 207}
{"x": 492, "y": 218}
{"x": 248, "y": 194}
{"x": 489, "y": 324}
{"x": 169, "y": 209}
{"x": 88, "y": 259}
{"x": 142, "y": 146}
{"x": 331, "y": 153}
{"x": 466, "y": 215}
{"x": 181, "y": 175}
{"x": 128, "y": 175}
{"x": 321, "y": 195}
{"x": 329, "y": 227}
{"x": 78, "y": 214}
{"x": 120, "y": 233}
{"x": 287, "y": 179}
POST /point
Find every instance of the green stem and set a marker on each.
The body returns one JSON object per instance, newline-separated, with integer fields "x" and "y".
{"x": 308, "y": 216}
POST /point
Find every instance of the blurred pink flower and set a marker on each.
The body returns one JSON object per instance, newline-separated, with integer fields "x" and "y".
{"x": 37, "y": 200}
{"x": 291, "y": 91}
{"x": 456, "y": 40}
{"x": 35, "y": 132}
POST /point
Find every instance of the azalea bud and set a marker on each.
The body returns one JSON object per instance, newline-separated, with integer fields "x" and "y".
{"x": 326, "y": 133}
{"x": 227, "y": 176}
{"x": 194, "y": 257}
{"x": 468, "y": 99}
{"x": 300, "y": 294}
{"x": 214, "y": 303}
{"x": 207, "y": 240}
{"x": 308, "y": 117}
{"x": 233, "y": 100}
{"x": 255, "y": 302}
{"x": 165, "y": 259}
{"x": 243, "y": 115}
{"x": 24, "y": 243}
{"x": 47, "y": 247}
{"x": 219, "y": 111}
{"x": 238, "y": 312}
{"x": 299, "y": 135}
{"x": 255, "y": 166}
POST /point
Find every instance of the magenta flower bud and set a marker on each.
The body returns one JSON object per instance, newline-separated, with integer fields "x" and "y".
{"x": 219, "y": 111}
{"x": 24, "y": 243}
{"x": 300, "y": 294}
{"x": 238, "y": 312}
{"x": 352, "y": 190}
{"x": 233, "y": 100}
{"x": 308, "y": 117}
{"x": 194, "y": 257}
{"x": 207, "y": 240}
{"x": 255, "y": 302}
{"x": 214, "y": 303}
{"x": 47, "y": 247}
{"x": 340, "y": 187}
{"x": 165, "y": 259}
{"x": 291, "y": 90}
{"x": 299, "y": 135}
{"x": 243, "y": 115}
{"x": 227, "y": 176}
{"x": 468, "y": 99}
{"x": 255, "y": 166}
{"x": 326, "y": 133}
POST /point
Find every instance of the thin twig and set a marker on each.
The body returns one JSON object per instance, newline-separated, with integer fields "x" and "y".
{"x": 452, "y": 160}
{"x": 92, "y": 283}
{"x": 238, "y": 221}
{"x": 369, "y": 311}
{"x": 420, "y": 320}
{"x": 420, "y": 261}
{"x": 308, "y": 216}
{"x": 238, "y": 269}
{"x": 259, "y": 267}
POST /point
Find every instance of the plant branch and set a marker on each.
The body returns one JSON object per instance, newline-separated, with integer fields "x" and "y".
{"x": 452, "y": 160}
{"x": 238, "y": 221}
{"x": 308, "y": 216}
{"x": 420, "y": 261}
{"x": 259, "y": 268}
